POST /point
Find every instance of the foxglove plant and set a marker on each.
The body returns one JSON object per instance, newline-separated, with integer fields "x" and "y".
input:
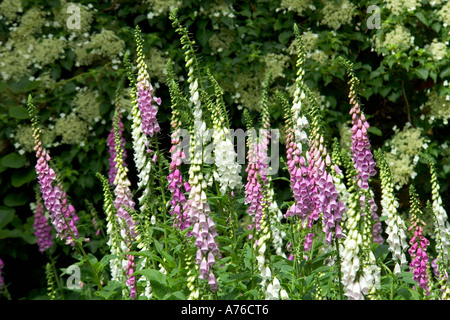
{"x": 62, "y": 215}
{"x": 111, "y": 143}
{"x": 228, "y": 170}
{"x": 302, "y": 181}
{"x": 396, "y": 229}
{"x": 140, "y": 142}
{"x": 360, "y": 275}
{"x": 419, "y": 244}
{"x": 42, "y": 229}
{"x": 440, "y": 264}
{"x": 329, "y": 203}
{"x": 204, "y": 230}
{"x": 145, "y": 98}
{"x": 361, "y": 154}
{"x": 441, "y": 225}
{"x": 275, "y": 214}
{"x": 113, "y": 230}
{"x": 253, "y": 187}
{"x": 123, "y": 202}
{"x": 179, "y": 206}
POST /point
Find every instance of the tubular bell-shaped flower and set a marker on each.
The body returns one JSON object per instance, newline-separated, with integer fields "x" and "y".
{"x": 62, "y": 215}
{"x": 396, "y": 229}
{"x": 419, "y": 257}
{"x": 42, "y": 230}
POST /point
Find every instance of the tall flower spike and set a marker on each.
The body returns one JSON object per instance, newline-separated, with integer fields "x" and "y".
{"x": 362, "y": 155}
{"x": 441, "y": 224}
{"x": 253, "y": 187}
{"x": 303, "y": 182}
{"x": 111, "y": 143}
{"x": 140, "y": 142}
{"x": 123, "y": 201}
{"x": 204, "y": 230}
{"x": 275, "y": 214}
{"x": 116, "y": 244}
{"x": 52, "y": 194}
{"x": 122, "y": 192}
{"x": 42, "y": 230}
{"x": 178, "y": 204}
{"x": 396, "y": 228}
{"x": 352, "y": 245}
{"x": 228, "y": 170}
{"x": 419, "y": 244}
{"x": 145, "y": 98}
{"x": 329, "y": 202}
{"x": 440, "y": 264}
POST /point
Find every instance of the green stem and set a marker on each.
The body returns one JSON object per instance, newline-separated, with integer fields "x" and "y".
{"x": 97, "y": 279}
{"x": 58, "y": 282}
{"x": 162, "y": 182}
{"x": 338, "y": 257}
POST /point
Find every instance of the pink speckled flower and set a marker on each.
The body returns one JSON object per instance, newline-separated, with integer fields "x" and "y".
{"x": 419, "y": 244}
{"x": 62, "y": 215}
{"x": 362, "y": 156}
{"x": 42, "y": 229}
{"x": 253, "y": 187}
{"x": 178, "y": 203}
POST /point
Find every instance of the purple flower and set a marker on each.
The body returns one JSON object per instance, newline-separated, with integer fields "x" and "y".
{"x": 179, "y": 205}
{"x": 149, "y": 123}
{"x": 363, "y": 158}
{"x": 62, "y": 215}
{"x": 131, "y": 281}
{"x": 42, "y": 230}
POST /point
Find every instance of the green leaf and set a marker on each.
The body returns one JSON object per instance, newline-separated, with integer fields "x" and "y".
{"x": 6, "y": 215}
{"x": 15, "y": 199}
{"x": 422, "y": 73}
{"x": 13, "y": 160}
{"x": 157, "y": 280}
{"x": 445, "y": 73}
{"x": 407, "y": 277}
{"x": 375, "y": 131}
{"x": 169, "y": 262}
{"x": 149, "y": 255}
{"x": 18, "y": 112}
{"x": 22, "y": 177}
{"x": 436, "y": 27}
{"x": 381, "y": 252}
{"x": 105, "y": 261}
{"x": 10, "y": 234}
{"x": 422, "y": 18}
{"x": 177, "y": 295}
{"x": 409, "y": 294}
